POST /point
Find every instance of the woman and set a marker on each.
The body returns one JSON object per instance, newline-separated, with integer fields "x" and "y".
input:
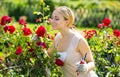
{"x": 71, "y": 45}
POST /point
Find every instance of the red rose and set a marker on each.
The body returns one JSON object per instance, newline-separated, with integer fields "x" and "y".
{"x": 94, "y": 31}
{"x": 11, "y": 29}
{"x": 41, "y": 44}
{"x": 106, "y": 21}
{"x": 38, "y": 43}
{"x": 5, "y": 19}
{"x": 5, "y": 28}
{"x": 27, "y": 31}
{"x": 116, "y": 33}
{"x": 59, "y": 62}
{"x": 22, "y": 22}
{"x": 41, "y": 31}
{"x": 19, "y": 50}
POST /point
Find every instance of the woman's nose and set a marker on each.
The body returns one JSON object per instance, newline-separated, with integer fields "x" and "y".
{"x": 51, "y": 20}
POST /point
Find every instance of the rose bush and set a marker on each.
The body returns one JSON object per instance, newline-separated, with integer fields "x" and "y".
{"x": 105, "y": 45}
{"x": 24, "y": 50}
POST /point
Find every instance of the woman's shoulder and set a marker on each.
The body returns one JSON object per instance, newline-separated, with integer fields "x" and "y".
{"x": 79, "y": 35}
{"x": 57, "y": 36}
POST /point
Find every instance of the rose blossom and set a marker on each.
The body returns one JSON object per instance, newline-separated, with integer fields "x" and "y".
{"x": 22, "y": 22}
{"x": 41, "y": 44}
{"x": 5, "y": 28}
{"x": 27, "y": 31}
{"x": 106, "y": 21}
{"x": 5, "y": 19}
{"x": 11, "y": 29}
{"x": 19, "y": 50}
{"x": 116, "y": 33}
{"x": 59, "y": 62}
{"x": 41, "y": 31}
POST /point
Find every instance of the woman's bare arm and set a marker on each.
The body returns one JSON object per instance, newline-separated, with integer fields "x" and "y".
{"x": 84, "y": 48}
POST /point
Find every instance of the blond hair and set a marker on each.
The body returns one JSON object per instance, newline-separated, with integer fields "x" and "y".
{"x": 67, "y": 14}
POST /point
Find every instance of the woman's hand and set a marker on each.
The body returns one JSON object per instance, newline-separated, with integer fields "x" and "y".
{"x": 82, "y": 68}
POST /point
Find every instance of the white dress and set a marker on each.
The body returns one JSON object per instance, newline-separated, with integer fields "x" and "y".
{"x": 70, "y": 57}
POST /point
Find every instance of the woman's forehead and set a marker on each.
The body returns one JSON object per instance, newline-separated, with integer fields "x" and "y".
{"x": 56, "y": 14}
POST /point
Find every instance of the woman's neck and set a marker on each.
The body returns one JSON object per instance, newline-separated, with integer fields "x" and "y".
{"x": 66, "y": 33}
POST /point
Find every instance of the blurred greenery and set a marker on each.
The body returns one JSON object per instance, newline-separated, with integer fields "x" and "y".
{"x": 87, "y": 13}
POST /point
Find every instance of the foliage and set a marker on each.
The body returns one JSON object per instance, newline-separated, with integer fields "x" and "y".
{"x": 20, "y": 8}
{"x": 85, "y": 12}
{"x": 105, "y": 45}
{"x": 89, "y": 14}
{"x": 23, "y": 50}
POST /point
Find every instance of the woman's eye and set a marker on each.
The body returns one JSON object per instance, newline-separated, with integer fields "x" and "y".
{"x": 56, "y": 19}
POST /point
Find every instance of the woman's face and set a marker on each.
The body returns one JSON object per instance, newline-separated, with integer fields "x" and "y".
{"x": 57, "y": 20}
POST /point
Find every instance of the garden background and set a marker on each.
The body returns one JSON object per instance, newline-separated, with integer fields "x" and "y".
{"x": 23, "y": 49}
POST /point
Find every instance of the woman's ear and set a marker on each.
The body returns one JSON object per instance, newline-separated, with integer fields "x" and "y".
{"x": 67, "y": 22}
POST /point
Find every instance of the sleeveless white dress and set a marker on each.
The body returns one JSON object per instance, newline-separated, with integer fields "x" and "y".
{"x": 70, "y": 57}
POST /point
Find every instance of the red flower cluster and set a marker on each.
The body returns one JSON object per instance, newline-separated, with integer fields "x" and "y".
{"x": 22, "y": 22}
{"x": 59, "y": 62}
{"x": 90, "y": 33}
{"x": 27, "y": 31}
{"x": 105, "y": 22}
{"x": 41, "y": 44}
{"x": 5, "y": 20}
{"x": 41, "y": 31}
{"x": 11, "y": 29}
{"x": 19, "y": 50}
{"x": 116, "y": 33}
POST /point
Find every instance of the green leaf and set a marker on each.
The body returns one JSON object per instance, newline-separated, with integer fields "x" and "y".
{"x": 117, "y": 59}
{"x": 110, "y": 51}
{"x": 38, "y": 13}
{"x": 1, "y": 53}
